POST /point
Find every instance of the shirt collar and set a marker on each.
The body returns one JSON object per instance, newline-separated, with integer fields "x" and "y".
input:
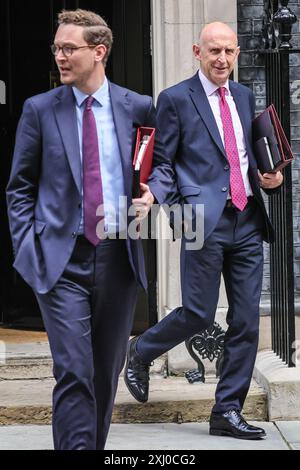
{"x": 100, "y": 95}
{"x": 209, "y": 87}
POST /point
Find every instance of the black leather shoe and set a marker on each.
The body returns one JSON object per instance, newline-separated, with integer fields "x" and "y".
{"x": 136, "y": 374}
{"x": 233, "y": 424}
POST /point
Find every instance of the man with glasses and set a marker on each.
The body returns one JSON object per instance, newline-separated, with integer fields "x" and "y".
{"x": 72, "y": 165}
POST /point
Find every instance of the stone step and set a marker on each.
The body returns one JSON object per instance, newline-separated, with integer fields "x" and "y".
{"x": 172, "y": 400}
{"x": 29, "y": 369}
{"x": 26, "y": 385}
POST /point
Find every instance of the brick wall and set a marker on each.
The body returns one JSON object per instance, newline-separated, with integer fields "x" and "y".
{"x": 251, "y": 74}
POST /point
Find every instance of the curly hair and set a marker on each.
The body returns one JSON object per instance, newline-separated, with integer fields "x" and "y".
{"x": 96, "y": 31}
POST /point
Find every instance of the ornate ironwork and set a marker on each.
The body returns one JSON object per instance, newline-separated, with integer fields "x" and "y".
{"x": 270, "y": 32}
{"x": 208, "y": 344}
{"x": 277, "y": 24}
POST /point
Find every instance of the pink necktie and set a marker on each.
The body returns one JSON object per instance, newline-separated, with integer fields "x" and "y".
{"x": 92, "y": 184}
{"x": 237, "y": 187}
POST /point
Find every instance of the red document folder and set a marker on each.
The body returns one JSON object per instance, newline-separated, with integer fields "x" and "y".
{"x": 143, "y": 157}
{"x": 272, "y": 149}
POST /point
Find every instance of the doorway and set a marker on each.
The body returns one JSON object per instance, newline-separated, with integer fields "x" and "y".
{"x": 26, "y": 31}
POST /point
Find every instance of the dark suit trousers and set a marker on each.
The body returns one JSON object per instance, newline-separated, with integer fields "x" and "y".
{"x": 88, "y": 316}
{"x": 234, "y": 248}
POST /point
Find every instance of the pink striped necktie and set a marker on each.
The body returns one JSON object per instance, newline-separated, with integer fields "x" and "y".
{"x": 92, "y": 184}
{"x": 237, "y": 187}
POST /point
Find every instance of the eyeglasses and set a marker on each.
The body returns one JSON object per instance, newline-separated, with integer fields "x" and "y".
{"x": 67, "y": 50}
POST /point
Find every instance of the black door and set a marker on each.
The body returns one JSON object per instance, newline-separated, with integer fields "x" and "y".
{"x": 27, "y": 68}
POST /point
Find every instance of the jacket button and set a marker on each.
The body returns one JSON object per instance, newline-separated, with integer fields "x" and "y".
{"x": 227, "y": 168}
{"x": 224, "y": 190}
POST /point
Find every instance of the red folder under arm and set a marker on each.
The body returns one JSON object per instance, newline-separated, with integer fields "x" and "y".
{"x": 143, "y": 169}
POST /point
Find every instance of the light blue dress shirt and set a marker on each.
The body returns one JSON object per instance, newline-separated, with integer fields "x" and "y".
{"x": 109, "y": 156}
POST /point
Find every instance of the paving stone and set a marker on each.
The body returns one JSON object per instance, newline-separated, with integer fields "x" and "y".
{"x": 145, "y": 437}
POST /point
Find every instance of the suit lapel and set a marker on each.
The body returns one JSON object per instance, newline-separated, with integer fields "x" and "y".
{"x": 202, "y": 106}
{"x": 65, "y": 111}
{"x": 122, "y": 114}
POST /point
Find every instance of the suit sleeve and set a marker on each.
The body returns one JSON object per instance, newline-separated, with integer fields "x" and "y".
{"x": 23, "y": 183}
{"x": 168, "y": 136}
{"x": 162, "y": 175}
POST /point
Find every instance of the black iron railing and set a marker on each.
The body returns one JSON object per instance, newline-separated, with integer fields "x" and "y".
{"x": 276, "y": 37}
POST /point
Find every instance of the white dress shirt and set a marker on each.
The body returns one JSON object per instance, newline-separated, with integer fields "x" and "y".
{"x": 109, "y": 155}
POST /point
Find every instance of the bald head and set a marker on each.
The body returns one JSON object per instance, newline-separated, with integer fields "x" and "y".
{"x": 216, "y": 30}
{"x": 217, "y": 51}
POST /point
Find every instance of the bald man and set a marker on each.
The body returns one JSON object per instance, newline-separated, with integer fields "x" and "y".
{"x": 206, "y": 123}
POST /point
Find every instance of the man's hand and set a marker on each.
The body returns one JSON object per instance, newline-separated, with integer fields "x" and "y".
{"x": 270, "y": 180}
{"x": 144, "y": 203}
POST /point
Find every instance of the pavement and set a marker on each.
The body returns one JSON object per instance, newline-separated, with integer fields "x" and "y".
{"x": 191, "y": 436}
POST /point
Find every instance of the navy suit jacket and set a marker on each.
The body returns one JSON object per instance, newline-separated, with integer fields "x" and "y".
{"x": 44, "y": 190}
{"x": 194, "y": 145}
